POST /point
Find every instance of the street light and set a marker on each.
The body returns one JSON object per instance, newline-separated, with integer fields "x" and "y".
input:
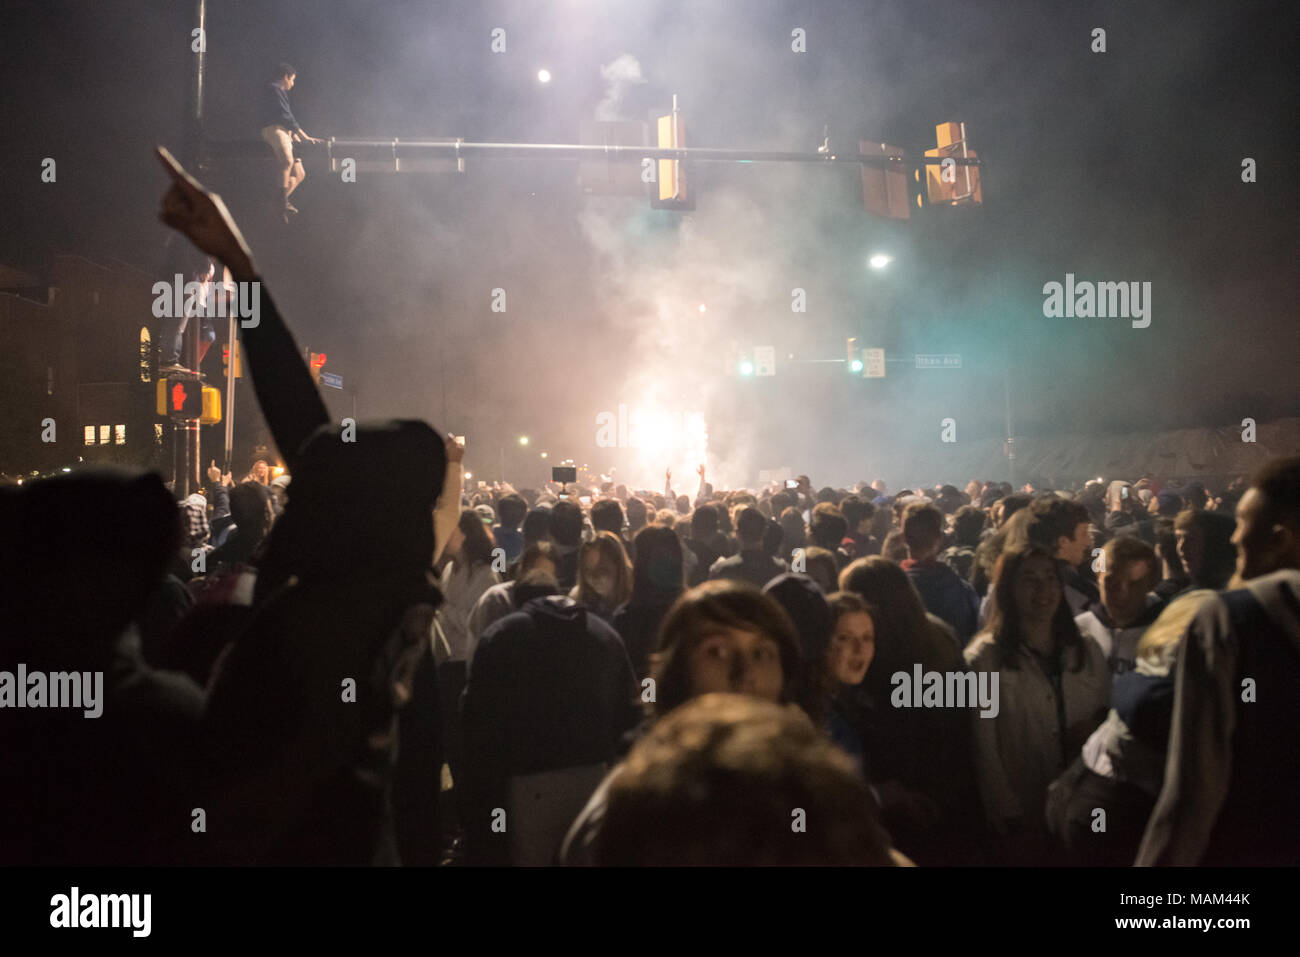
{"x": 543, "y": 76}
{"x": 523, "y": 440}
{"x": 880, "y": 260}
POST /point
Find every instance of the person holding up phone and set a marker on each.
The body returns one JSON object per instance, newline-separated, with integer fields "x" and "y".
{"x": 447, "y": 513}
{"x": 1119, "y": 506}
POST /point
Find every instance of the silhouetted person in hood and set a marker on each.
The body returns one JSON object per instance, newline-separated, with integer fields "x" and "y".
{"x": 306, "y": 707}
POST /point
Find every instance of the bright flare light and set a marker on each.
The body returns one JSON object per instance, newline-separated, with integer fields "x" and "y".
{"x": 543, "y": 76}
{"x": 523, "y": 440}
{"x": 880, "y": 261}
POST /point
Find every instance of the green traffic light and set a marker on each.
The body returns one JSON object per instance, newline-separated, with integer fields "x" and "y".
{"x": 855, "y": 365}
{"x": 747, "y": 368}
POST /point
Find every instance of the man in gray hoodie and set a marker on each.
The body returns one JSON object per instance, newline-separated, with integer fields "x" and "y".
{"x": 1232, "y": 775}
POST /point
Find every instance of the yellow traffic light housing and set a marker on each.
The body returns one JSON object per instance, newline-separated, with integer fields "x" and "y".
{"x": 211, "y": 413}
{"x": 951, "y": 184}
{"x": 671, "y": 189}
{"x": 225, "y": 361}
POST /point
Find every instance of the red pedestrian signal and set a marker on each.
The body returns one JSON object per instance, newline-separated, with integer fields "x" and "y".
{"x": 180, "y": 397}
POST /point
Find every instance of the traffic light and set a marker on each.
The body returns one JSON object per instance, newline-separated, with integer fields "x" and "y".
{"x": 210, "y": 412}
{"x": 884, "y": 189}
{"x": 852, "y": 356}
{"x": 950, "y": 184}
{"x": 180, "y": 397}
{"x": 225, "y": 361}
{"x": 314, "y": 362}
{"x": 671, "y": 189}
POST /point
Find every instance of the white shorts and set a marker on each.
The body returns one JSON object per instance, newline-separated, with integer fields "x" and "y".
{"x": 278, "y": 138}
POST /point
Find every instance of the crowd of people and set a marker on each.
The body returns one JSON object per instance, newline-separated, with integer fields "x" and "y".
{"x": 429, "y": 673}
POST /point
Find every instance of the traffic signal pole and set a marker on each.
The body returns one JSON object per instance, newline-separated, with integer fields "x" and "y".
{"x": 455, "y": 149}
{"x": 186, "y": 458}
{"x": 398, "y": 149}
{"x": 230, "y": 393}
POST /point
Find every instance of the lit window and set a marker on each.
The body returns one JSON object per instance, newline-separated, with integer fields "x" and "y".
{"x": 103, "y": 435}
{"x": 119, "y": 435}
{"x": 146, "y": 355}
{"x": 90, "y": 435}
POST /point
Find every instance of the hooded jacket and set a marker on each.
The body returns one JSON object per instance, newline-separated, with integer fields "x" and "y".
{"x": 550, "y": 687}
{"x": 308, "y": 781}
{"x": 1233, "y": 772}
{"x": 945, "y": 594}
{"x": 305, "y": 709}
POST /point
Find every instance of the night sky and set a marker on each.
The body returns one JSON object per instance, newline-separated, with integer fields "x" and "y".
{"x": 1115, "y": 166}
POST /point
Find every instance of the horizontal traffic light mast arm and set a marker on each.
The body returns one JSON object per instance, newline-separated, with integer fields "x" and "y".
{"x": 450, "y": 149}
{"x": 634, "y": 153}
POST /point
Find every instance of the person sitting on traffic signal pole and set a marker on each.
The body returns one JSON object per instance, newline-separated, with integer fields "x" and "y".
{"x": 281, "y": 130}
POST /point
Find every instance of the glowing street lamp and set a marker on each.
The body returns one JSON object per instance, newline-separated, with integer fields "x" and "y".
{"x": 543, "y": 76}
{"x": 880, "y": 260}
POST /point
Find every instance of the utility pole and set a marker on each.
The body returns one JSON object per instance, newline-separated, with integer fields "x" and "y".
{"x": 186, "y": 458}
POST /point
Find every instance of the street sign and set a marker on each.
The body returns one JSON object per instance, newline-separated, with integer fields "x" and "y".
{"x": 331, "y": 380}
{"x": 938, "y": 361}
{"x": 875, "y": 363}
